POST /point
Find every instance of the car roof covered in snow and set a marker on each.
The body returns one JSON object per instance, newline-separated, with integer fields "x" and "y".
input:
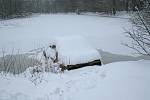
{"x": 75, "y": 50}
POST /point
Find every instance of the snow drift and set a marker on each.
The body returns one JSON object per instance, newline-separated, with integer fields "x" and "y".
{"x": 115, "y": 81}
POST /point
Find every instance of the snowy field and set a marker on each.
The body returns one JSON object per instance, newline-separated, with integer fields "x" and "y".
{"x": 105, "y": 33}
{"x": 116, "y": 81}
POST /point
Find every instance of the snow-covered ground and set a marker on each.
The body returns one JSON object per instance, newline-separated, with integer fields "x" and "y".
{"x": 102, "y": 32}
{"x": 116, "y": 81}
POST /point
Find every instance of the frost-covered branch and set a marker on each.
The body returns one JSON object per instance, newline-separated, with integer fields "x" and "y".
{"x": 140, "y": 33}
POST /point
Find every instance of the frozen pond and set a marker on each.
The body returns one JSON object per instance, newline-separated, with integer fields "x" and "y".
{"x": 106, "y": 33}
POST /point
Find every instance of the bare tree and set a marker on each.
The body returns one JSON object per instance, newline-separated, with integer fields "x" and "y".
{"x": 140, "y": 33}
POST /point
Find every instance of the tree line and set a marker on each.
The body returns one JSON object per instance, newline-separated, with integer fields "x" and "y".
{"x": 20, "y": 8}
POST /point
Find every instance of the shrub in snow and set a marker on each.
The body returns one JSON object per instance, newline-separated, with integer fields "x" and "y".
{"x": 55, "y": 68}
{"x": 49, "y": 59}
{"x": 35, "y": 74}
{"x": 49, "y": 64}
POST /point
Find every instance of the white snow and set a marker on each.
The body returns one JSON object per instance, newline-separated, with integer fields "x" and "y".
{"x": 115, "y": 81}
{"x": 102, "y": 32}
{"x": 75, "y": 49}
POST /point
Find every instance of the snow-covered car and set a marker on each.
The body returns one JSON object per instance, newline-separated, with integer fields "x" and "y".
{"x": 75, "y": 52}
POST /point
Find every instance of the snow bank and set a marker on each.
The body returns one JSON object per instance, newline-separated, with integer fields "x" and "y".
{"x": 115, "y": 81}
{"x": 75, "y": 50}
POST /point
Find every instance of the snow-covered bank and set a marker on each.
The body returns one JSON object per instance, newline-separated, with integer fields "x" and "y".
{"x": 122, "y": 80}
{"x": 25, "y": 34}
